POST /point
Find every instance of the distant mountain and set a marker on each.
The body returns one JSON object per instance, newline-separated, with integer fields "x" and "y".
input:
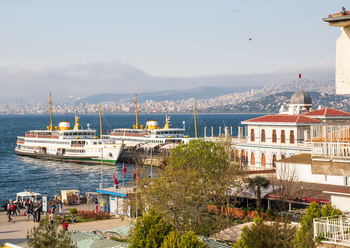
{"x": 171, "y": 95}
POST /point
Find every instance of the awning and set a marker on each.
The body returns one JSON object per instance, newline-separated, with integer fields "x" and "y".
{"x": 168, "y": 146}
{"x": 132, "y": 143}
{"x": 122, "y": 230}
{"x": 150, "y": 145}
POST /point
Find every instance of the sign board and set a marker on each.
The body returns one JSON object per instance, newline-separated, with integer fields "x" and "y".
{"x": 45, "y": 200}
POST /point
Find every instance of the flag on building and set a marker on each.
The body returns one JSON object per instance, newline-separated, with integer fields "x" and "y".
{"x": 299, "y": 75}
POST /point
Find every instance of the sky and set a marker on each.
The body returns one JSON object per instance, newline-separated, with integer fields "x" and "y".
{"x": 81, "y": 48}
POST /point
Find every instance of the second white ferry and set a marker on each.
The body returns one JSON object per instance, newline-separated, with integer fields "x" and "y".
{"x": 150, "y": 134}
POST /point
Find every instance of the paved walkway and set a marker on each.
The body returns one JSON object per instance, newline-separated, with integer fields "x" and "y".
{"x": 15, "y": 232}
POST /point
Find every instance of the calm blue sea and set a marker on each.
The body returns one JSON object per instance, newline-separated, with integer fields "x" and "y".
{"x": 20, "y": 173}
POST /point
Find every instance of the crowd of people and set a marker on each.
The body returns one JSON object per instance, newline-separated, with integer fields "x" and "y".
{"x": 35, "y": 210}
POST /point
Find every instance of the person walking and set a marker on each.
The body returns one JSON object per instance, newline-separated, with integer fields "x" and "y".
{"x": 18, "y": 207}
{"x": 12, "y": 206}
{"x": 14, "y": 210}
{"x": 27, "y": 215}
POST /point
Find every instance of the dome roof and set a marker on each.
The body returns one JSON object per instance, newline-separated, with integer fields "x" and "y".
{"x": 301, "y": 97}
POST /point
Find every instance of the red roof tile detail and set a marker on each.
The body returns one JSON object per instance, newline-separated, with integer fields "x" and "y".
{"x": 340, "y": 14}
{"x": 284, "y": 118}
{"x": 328, "y": 112}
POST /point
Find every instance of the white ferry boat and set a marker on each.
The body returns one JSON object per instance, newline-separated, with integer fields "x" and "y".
{"x": 62, "y": 143}
{"x": 149, "y": 135}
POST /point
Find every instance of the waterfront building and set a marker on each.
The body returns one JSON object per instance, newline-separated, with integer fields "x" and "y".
{"x": 273, "y": 137}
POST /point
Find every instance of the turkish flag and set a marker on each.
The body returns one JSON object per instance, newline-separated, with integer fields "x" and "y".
{"x": 299, "y": 75}
{"x": 124, "y": 168}
{"x": 115, "y": 180}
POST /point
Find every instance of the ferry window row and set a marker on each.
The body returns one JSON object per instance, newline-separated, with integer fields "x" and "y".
{"x": 75, "y": 151}
{"x": 76, "y": 134}
{"x": 274, "y": 136}
{"x": 48, "y": 142}
{"x": 170, "y": 132}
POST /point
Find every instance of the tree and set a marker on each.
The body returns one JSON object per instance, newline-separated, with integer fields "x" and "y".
{"x": 305, "y": 234}
{"x": 187, "y": 240}
{"x": 329, "y": 210}
{"x": 150, "y": 231}
{"x": 197, "y": 174}
{"x": 256, "y": 183}
{"x": 45, "y": 235}
{"x": 286, "y": 187}
{"x": 261, "y": 235}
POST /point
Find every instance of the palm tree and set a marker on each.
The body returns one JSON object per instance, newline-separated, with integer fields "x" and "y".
{"x": 256, "y": 183}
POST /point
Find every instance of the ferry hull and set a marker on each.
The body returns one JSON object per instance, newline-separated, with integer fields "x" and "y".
{"x": 75, "y": 159}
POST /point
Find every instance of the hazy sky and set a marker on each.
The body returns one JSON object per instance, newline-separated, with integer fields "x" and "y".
{"x": 86, "y": 47}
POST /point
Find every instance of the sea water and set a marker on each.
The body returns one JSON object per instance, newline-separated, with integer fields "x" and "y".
{"x": 19, "y": 173}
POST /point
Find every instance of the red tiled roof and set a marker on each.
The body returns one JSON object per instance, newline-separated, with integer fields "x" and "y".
{"x": 340, "y": 14}
{"x": 328, "y": 112}
{"x": 284, "y": 118}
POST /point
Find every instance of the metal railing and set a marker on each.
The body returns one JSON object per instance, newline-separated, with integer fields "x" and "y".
{"x": 334, "y": 228}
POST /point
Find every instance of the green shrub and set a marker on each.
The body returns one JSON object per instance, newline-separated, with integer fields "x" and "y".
{"x": 73, "y": 211}
{"x": 271, "y": 214}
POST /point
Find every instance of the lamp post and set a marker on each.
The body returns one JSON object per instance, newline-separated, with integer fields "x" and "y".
{"x": 151, "y": 164}
{"x": 101, "y": 184}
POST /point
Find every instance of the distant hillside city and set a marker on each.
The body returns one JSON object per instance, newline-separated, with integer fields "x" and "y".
{"x": 207, "y": 100}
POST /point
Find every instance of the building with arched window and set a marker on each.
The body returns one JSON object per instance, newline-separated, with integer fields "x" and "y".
{"x": 270, "y": 138}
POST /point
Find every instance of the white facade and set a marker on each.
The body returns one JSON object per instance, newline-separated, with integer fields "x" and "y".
{"x": 342, "y": 74}
{"x": 302, "y": 173}
{"x": 340, "y": 201}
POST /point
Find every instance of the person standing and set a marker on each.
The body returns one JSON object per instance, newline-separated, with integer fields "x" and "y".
{"x": 53, "y": 208}
{"x": 51, "y": 218}
{"x": 9, "y": 212}
{"x": 96, "y": 205}
{"x": 65, "y": 225}
{"x": 34, "y": 214}
{"x": 38, "y": 213}
{"x": 59, "y": 207}
{"x": 27, "y": 206}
